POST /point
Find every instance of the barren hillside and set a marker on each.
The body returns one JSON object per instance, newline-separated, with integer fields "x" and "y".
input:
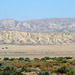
{"x": 40, "y": 25}
{"x": 16, "y": 37}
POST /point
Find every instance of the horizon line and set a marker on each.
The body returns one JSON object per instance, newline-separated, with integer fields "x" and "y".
{"x": 41, "y": 18}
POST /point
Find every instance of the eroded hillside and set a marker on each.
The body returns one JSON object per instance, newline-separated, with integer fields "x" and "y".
{"x": 40, "y": 25}
{"x": 16, "y": 37}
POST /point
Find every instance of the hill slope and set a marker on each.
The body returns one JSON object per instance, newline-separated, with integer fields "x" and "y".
{"x": 40, "y": 25}
{"x": 15, "y": 37}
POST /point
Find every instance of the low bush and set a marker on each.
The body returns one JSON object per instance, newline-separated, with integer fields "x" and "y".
{"x": 62, "y": 70}
{"x": 6, "y": 58}
{"x": 27, "y": 69}
{"x": 27, "y": 59}
{"x": 43, "y": 73}
{"x": 21, "y": 58}
{"x": 36, "y": 59}
{"x": 8, "y": 70}
{"x": 43, "y": 59}
{"x": 12, "y": 59}
{"x": 68, "y": 57}
{"x": 46, "y": 58}
{"x": 71, "y": 72}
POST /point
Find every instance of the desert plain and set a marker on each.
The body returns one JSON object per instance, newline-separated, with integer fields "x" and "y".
{"x": 36, "y": 51}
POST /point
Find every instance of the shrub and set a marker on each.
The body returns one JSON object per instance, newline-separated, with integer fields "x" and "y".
{"x": 27, "y": 59}
{"x": 46, "y": 58}
{"x": 12, "y": 59}
{"x": 43, "y": 73}
{"x": 55, "y": 58}
{"x": 71, "y": 72}
{"x": 23, "y": 69}
{"x": 64, "y": 61}
{"x": 21, "y": 58}
{"x": 36, "y": 59}
{"x": 43, "y": 59}
{"x": 68, "y": 57}
{"x": 60, "y": 59}
{"x": 55, "y": 64}
{"x": 27, "y": 69}
{"x": 62, "y": 70}
{"x": 8, "y": 70}
{"x": 6, "y": 58}
{"x": 0, "y": 64}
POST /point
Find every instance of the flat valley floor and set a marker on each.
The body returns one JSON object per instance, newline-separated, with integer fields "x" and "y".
{"x": 36, "y": 51}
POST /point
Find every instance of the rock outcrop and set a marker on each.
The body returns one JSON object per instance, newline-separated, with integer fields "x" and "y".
{"x": 16, "y": 37}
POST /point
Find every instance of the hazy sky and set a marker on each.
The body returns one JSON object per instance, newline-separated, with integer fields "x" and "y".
{"x": 23, "y": 10}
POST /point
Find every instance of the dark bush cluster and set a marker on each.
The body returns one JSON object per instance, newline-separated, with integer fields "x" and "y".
{"x": 8, "y": 70}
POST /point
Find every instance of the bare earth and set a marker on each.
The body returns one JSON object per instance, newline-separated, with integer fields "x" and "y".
{"x": 33, "y": 51}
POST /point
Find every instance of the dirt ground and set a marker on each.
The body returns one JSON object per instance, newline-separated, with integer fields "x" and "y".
{"x": 38, "y": 51}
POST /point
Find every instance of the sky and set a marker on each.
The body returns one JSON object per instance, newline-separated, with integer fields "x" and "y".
{"x": 24, "y": 10}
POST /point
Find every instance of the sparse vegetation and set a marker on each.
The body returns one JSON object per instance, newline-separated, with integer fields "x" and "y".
{"x": 43, "y": 73}
{"x": 43, "y": 66}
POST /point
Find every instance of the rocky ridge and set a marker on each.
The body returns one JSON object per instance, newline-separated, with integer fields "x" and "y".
{"x": 29, "y": 38}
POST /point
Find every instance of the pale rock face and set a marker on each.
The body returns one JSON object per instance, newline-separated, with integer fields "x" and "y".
{"x": 16, "y": 37}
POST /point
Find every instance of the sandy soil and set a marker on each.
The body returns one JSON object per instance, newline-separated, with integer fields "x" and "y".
{"x": 39, "y": 51}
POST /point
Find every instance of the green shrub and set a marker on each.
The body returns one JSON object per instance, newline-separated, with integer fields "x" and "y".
{"x": 23, "y": 69}
{"x": 55, "y": 64}
{"x": 6, "y": 58}
{"x": 71, "y": 72}
{"x": 46, "y": 58}
{"x": 21, "y": 58}
{"x": 62, "y": 70}
{"x": 60, "y": 59}
{"x": 36, "y": 59}
{"x": 27, "y": 59}
{"x": 55, "y": 58}
{"x": 12, "y": 59}
{"x": 68, "y": 57}
{"x": 64, "y": 61}
{"x": 43, "y": 73}
{"x": 8, "y": 70}
{"x": 43, "y": 59}
{"x": 0, "y": 64}
{"x": 27, "y": 69}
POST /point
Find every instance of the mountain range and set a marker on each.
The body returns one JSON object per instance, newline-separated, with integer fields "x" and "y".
{"x": 48, "y": 31}
{"x": 39, "y": 25}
